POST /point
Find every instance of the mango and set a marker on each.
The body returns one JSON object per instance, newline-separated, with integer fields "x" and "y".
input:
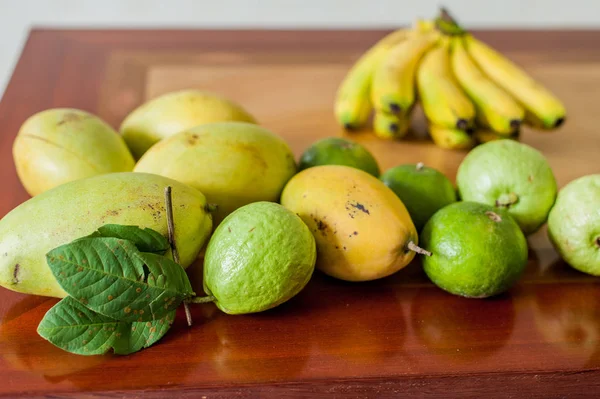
{"x": 232, "y": 163}
{"x": 60, "y": 145}
{"x": 174, "y": 112}
{"x": 362, "y": 229}
{"x": 78, "y": 208}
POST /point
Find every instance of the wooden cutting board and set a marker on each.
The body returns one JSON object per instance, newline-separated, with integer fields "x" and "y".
{"x": 393, "y": 337}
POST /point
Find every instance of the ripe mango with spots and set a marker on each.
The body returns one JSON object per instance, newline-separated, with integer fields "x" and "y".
{"x": 232, "y": 163}
{"x": 60, "y": 145}
{"x": 78, "y": 208}
{"x": 174, "y": 112}
{"x": 362, "y": 229}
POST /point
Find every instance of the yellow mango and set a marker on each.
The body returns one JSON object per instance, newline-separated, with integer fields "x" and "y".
{"x": 60, "y": 145}
{"x": 77, "y": 209}
{"x": 362, "y": 229}
{"x": 232, "y": 163}
{"x": 174, "y": 112}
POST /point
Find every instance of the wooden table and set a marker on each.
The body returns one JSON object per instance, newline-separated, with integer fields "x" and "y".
{"x": 398, "y": 336}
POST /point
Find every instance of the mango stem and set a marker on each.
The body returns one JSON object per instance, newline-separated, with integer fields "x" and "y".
{"x": 415, "y": 248}
{"x": 174, "y": 251}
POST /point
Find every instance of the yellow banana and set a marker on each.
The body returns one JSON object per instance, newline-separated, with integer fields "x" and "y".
{"x": 352, "y": 104}
{"x": 485, "y": 136}
{"x": 443, "y": 101}
{"x": 451, "y": 138}
{"x": 538, "y": 101}
{"x": 393, "y": 87}
{"x": 390, "y": 126}
{"x": 495, "y": 108}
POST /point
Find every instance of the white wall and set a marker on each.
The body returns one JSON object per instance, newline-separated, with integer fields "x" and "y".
{"x": 17, "y": 16}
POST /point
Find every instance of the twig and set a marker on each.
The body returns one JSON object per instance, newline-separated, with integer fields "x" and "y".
{"x": 415, "y": 248}
{"x": 171, "y": 229}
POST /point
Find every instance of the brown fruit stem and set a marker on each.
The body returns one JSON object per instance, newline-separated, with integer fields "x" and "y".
{"x": 174, "y": 251}
{"x": 201, "y": 299}
{"x": 420, "y": 165}
{"x": 506, "y": 200}
{"x": 415, "y": 248}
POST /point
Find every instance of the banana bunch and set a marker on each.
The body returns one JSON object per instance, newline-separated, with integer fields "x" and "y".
{"x": 468, "y": 91}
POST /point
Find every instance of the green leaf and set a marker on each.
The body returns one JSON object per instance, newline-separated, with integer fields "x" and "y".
{"x": 111, "y": 277}
{"x": 77, "y": 329}
{"x": 71, "y": 326}
{"x": 146, "y": 240}
{"x": 144, "y": 334}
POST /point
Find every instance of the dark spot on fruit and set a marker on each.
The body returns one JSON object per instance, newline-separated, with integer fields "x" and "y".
{"x": 598, "y": 241}
{"x": 251, "y": 230}
{"x": 530, "y": 178}
{"x": 322, "y": 226}
{"x": 15, "y": 279}
{"x": 344, "y": 248}
{"x": 337, "y": 247}
{"x": 69, "y": 117}
{"x": 493, "y": 216}
{"x": 303, "y": 196}
{"x": 395, "y": 108}
{"x": 192, "y": 139}
{"x": 6, "y": 254}
{"x": 355, "y": 233}
{"x": 348, "y": 126}
{"x": 229, "y": 229}
{"x": 358, "y": 206}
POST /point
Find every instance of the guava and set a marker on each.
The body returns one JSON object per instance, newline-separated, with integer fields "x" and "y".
{"x": 260, "y": 256}
{"x": 512, "y": 176}
{"x": 574, "y": 224}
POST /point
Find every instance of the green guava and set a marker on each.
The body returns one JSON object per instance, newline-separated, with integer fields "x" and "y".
{"x": 477, "y": 250}
{"x": 422, "y": 189}
{"x": 512, "y": 176}
{"x": 574, "y": 224}
{"x": 339, "y": 151}
{"x": 260, "y": 256}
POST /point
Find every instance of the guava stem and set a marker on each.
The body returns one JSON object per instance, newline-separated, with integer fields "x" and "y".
{"x": 415, "y": 248}
{"x": 174, "y": 251}
{"x": 506, "y": 200}
{"x": 201, "y": 299}
{"x": 420, "y": 165}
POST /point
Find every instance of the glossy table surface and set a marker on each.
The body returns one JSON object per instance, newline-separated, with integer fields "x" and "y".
{"x": 396, "y": 336}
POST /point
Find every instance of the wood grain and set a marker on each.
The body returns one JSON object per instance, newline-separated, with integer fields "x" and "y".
{"x": 388, "y": 338}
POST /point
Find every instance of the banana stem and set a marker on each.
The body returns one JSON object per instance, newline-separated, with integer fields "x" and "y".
{"x": 446, "y": 17}
{"x": 415, "y": 248}
{"x": 174, "y": 251}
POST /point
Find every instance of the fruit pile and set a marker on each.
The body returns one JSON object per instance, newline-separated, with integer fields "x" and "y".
{"x": 115, "y": 219}
{"x": 469, "y": 92}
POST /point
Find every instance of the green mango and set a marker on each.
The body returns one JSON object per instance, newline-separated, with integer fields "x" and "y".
{"x": 232, "y": 163}
{"x": 174, "y": 112}
{"x": 76, "y": 209}
{"x": 60, "y": 145}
